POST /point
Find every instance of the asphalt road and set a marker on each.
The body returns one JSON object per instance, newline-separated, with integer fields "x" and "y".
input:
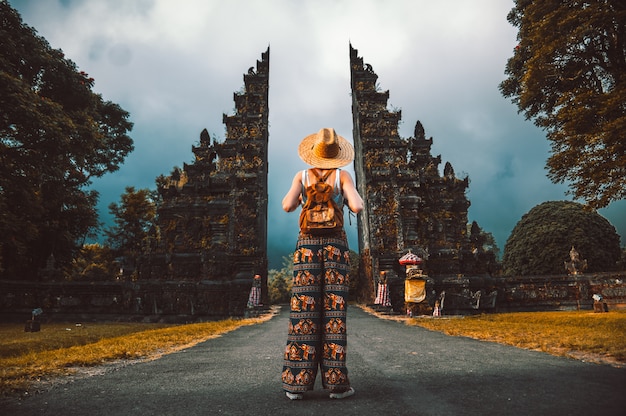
{"x": 395, "y": 370}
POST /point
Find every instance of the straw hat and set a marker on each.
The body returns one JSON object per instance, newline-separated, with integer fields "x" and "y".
{"x": 326, "y": 150}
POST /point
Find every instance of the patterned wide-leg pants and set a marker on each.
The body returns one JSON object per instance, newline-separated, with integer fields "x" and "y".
{"x": 317, "y": 336}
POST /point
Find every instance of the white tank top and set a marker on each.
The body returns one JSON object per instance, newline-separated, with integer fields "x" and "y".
{"x": 337, "y": 194}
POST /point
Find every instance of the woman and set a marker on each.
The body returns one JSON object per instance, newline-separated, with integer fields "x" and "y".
{"x": 317, "y": 335}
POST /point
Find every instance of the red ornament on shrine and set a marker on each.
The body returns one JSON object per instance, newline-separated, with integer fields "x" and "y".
{"x": 410, "y": 258}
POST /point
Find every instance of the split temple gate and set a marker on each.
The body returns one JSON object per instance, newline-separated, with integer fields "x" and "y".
{"x": 212, "y": 221}
{"x": 211, "y": 237}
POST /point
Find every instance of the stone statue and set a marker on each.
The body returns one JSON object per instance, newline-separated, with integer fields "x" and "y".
{"x": 575, "y": 265}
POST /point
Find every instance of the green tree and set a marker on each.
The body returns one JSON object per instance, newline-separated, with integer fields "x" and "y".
{"x": 540, "y": 242}
{"x": 134, "y": 219}
{"x": 568, "y": 74}
{"x": 279, "y": 282}
{"x": 56, "y": 134}
{"x": 94, "y": 263}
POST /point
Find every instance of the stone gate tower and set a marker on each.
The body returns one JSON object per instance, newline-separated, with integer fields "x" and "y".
{"x": 212, "y": 221}
{"x": 408, "y": 203}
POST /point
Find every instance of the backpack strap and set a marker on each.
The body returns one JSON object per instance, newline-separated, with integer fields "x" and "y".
{"x": 306, "y": 182}
{"x": 305, "y": 178}
{"x": 322, "y": 178}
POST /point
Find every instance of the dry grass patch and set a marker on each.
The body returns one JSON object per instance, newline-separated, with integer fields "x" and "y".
{"x": 59, "y": 348}
{"x": 599, "y": 337}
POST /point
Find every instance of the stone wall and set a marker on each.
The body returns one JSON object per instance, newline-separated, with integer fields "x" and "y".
{"x": 190, "y": 301}
{"x": 472, "y": 294}
{"x": 561, "y": 292}
{"x": 173, "y": 301}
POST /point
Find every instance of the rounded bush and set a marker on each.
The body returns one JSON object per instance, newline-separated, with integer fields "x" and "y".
{"x": 541, "y": 241}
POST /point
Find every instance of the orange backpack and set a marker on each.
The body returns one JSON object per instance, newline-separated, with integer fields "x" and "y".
{"x": 320, "y": 213}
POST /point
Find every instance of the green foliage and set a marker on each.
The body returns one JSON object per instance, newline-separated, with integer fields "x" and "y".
{"x": 279, "y": 283}
{"x": 94, "y": 263}
{"x": 56, "y": 134}
{"x": 134, "y": 219}
{"x": 567, "y": 73}
{"x": 540, "y": 242}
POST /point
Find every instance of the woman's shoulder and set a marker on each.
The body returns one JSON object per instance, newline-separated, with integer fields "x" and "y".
{"x": 344, "y": 174}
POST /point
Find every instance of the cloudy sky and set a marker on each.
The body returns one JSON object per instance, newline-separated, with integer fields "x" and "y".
{"x": 174, "y": 65}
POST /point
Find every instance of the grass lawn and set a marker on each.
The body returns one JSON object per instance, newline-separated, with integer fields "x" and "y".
{"x": 596, "y": 337}
{"x": 60, "y": 348}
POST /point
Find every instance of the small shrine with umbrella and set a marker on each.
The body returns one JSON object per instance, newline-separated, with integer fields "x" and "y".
{"x": 418, "y": 287}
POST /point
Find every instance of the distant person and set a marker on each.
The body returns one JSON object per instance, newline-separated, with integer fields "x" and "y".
{"x": 254, "y": 298}
{"x": 317, "y": 335}
{"x": 382, "y": 293}
{"x": 437, "y": 308}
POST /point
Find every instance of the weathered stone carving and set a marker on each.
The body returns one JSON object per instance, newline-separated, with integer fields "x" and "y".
{"x": 213, "y": 216}
{"x": 575, "y": 265}
{"x": 409, "y": 205}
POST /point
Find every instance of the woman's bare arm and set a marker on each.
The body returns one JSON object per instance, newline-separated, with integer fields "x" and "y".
{"x": 355, "y": 202}
{"x": 293, "y": 198}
